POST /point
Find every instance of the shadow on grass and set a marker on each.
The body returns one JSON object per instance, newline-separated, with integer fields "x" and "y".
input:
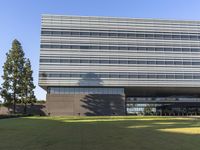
{"x": 98, "y": 133}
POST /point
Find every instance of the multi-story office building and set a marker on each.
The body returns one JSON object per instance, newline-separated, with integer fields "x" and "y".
{"x": 114, "y": 66}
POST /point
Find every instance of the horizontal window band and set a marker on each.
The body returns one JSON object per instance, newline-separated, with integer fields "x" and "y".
{"x": 97, "y": 76}
{"x": 136, "y": 61}
{"x": 135, "y": 35}
{"x": 119, "y": 48}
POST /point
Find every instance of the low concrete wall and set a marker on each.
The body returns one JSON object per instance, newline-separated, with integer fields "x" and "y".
{"x": 36, "y": 109}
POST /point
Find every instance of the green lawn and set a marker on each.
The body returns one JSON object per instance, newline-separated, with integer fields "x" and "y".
{"x": 100, "y": 133}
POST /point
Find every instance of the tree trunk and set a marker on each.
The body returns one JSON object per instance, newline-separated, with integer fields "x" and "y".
{"x": 25, "y": 108}
{"x": 14, "y": 103}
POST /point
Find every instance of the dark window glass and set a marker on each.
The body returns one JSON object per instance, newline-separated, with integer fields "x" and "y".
{"x": 149, "y": 36}
{"x": 74, "y": 61}
{"x": 161, "y": 76}
{"x": 169, "y": 62}
{"x": 103, "y": 34}
{"x": 132, "y": 62}
{"x": 170, "y": 76}
{"x": 132, "y": 36}
{"x": 141, "y": 48}
{"x": 167, "y": 37}
{"x": 150, "y": 49}
{"x": 84, "y": 33}
{"x": 113, "y": 61}
{"x": 123, "y": 76}
{"x": 103, "y": 47}
{"x": 113, "y": 34}
{"x": 84, "y": 47}
{"x": 187, "y": 76}
{"x": 176, "y": 37}
{"x": 195, "y": 50}
{"x": 104, "y": 75}
{"x": 104, "y": 61}
{"x": 94, "y": 34}
{"x": 196, "y": 76}
{"x": 141, "y": 62}
{"x": 133, "y": 76}
{"x": 177, "y": 49}
{"x": 94, "y": 47}
{"x": 142, "y": 76}
{"x": 193, "y": 37}
{"x": 65, "y": 60}
{"x": 75, "y": 47}
{"x": 94, "y": 61}
{"x": 159, "y": 49}
{"x": 151, "y": 62}
{"x": 195, "y": 63}
{"x": 75, "y": 33}
{"x": 185, "y": 37}
{"x": 85, "y": 61}
{"x": 185, "y": 50}
{"x": 140, "y": 36}
{"x": 187, "y": 62}
{"x": 151, "y": 76}
{"x": 123, "y": 61}
{"x": 113, "y": 48}
{"x": 168, "y": 49}
{"x": 178, "y": 63}
{"x": 158, "y": 36}
{"x": 114, "y": 76}
{"x": 160, "y": 62}
{"x": 66, "y": 33}
{"x": 123, "y": 48}
{"x": 178, "y": 76}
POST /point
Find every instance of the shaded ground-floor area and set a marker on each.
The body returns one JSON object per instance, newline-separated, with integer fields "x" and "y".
{"x": 120, "y": 101}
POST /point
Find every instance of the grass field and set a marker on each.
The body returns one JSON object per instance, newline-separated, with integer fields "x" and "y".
{"x": 100, "y": 133}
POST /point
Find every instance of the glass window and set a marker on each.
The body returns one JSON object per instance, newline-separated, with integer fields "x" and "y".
{"x": 187, "y": 62}
{"x": 113, "y": 61}
{"x": 158, "y": 36}
{"x": 169, "y": 62}
{"x": 167, "y": 37}
{"x": 170, "y": 76}
{"x": 186, "y": 50}
{"x": 141, "y": 49}
{"x": 84, "y": 47}
{"x": 195, "y": 50}
{"x": 140, "y": 36}
{"x": 168, "y": 49}
{"x": 178, "y": 62}
{"x": 84, "y": 61}
{"x": 123, "y": 62}
{"x": 151, "y": 76}
{"x": 176, "y": 37}
{"x": 161, "y": 76}
{"x": 178, "y": 76}
{"x": 75, "y": 61}
{"x": 159, "y": 49}
{"x": 185, "y": 37}
{"x": 84, "y": 34}
{"x": 151, "y": 62}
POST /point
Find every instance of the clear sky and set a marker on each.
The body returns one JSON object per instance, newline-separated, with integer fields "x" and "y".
{"x": 20, "y": 19}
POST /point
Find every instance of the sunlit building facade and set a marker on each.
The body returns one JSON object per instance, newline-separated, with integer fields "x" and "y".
{"x": 119, "y": 66}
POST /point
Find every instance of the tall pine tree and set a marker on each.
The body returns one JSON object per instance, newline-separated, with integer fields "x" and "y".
{"x": 28, "y": 96}
{"x": 13, "y": 74}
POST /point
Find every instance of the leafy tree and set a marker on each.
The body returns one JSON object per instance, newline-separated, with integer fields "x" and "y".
{"x": 13, "y": 73}
{"x": 28, "y": 96}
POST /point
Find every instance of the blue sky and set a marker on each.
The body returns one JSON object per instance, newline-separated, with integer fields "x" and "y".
{"x": 21, "y": 19}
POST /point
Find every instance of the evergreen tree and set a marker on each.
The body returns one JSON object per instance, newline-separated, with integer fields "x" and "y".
{"x": 28, "y": 96}
{"x": 13, "y": 73}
